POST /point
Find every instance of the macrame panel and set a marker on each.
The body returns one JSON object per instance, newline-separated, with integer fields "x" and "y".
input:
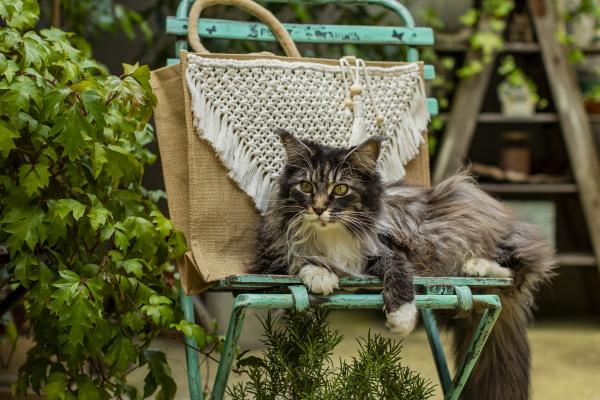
{"x": 237, "y": 105}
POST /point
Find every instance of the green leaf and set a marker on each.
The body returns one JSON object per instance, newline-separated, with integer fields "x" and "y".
{"x": 20, "y": 14}
{"x": 156, "y": 300}
{"x": 86, "y": 389}
{"x": 99, "y": 159}
{"x": 177, "y": 244}
{"x": 23, "y": 265}
{"x": 63, "y": 207}
{"x": 26, "y": 226}
{"x": 470, "y": 17}
{"x": 98, "y": 216}
{"x": 159, "y": 310}
{"x": 134, "y": 267}
{"x": 107, "y": 232}
{"x": 164, "y": 225}
{"x": 79, "y": 317}
{"x": 72, "y": 129}
{"x": 193, "y": 331}
{"x": 121, "y": 352}
{"x": 159, "y": 375}
{"x": 68, "y": 290}
{"x": 7, "y": 136}
{"x": 35, "y": 176}
{"x": 18, "y": 96}
{"x": 35, "y": 50}
{"x": 56, "y": 386}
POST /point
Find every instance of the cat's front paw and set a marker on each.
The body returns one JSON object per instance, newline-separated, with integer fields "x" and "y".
{"x": 318, "y": 280}
{"x": 403, "y": 320}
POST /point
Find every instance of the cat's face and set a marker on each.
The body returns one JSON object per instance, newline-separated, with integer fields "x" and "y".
{"x": 325, "y": 186}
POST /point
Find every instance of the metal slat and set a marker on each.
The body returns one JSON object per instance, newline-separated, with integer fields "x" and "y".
{"x": 306, "y": 33}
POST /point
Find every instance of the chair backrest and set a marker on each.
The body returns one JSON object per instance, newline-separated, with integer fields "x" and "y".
{"x": 406, "y": 35}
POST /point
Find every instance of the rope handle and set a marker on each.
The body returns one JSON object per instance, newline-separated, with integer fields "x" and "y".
{"x": 264, "y": 15}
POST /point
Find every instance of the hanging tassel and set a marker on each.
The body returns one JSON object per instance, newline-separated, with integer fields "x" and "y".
{"x": 359, "y": 129}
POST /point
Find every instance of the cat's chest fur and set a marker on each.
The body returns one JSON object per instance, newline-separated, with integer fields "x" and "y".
{"x": 335, "y": 246}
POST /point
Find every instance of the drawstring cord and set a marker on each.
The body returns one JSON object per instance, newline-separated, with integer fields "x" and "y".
{"x": 354, "y": 101}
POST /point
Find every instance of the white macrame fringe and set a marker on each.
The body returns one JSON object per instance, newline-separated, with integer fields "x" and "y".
{"x": 234, "y": 154}
{"x": 404, "y": 139}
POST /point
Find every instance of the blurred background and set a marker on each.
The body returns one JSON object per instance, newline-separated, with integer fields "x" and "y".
{"x": 493, "y": 88}
{"x": 521, "y": 158}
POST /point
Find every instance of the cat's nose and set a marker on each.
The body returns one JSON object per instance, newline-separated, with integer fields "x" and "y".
{"x": 319, "y": 210}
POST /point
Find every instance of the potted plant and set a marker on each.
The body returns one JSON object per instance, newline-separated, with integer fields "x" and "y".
{"x": 517, "y": 92}
{"x": 582, "y": 18}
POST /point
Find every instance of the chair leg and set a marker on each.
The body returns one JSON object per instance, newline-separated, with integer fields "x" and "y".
{"x": 234, "y": 330}
{"x": 437, "y": 350}
{"x": 474, "y": 350}
{"x": 191, "y": 354}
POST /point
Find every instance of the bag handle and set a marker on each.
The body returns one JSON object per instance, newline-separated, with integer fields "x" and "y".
{"x": 281, "y": 34}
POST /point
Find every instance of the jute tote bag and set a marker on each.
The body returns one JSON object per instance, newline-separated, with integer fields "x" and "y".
{"x": 220, "y": 157}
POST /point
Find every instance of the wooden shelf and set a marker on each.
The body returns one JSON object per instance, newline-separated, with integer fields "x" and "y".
{"x": 512, "y": 47}
{"x": 525, "y": 47}
{"x": 591, "y": 49}
{"x": 529, "y": 188}
{"x": 576, "y": 260}
{"x": 491, "y": 117}
{"x": 537, "y": 118}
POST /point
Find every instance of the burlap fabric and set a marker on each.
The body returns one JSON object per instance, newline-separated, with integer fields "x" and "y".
{"x": 217, "y": 217}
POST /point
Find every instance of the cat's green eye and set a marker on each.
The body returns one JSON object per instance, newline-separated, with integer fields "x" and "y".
{"x": 306, "y": 186}
{"x": 340, "y": 190}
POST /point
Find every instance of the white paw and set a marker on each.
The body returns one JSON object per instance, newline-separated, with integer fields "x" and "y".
{"x": 318, "y": 279}
{"x": 403, "y": 320}
{"x": 485, "y": 268}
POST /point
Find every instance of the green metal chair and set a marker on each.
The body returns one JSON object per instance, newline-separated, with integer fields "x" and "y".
{"x": 267, "y": 292}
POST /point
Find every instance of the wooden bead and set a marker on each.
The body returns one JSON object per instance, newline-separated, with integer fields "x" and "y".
{"x": 379, "y": 119}
{"x": 356, "y": 89}
{"x": 348, "y": 103}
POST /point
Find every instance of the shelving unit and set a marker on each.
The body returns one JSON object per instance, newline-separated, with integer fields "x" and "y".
{"x": 466, "y": 115}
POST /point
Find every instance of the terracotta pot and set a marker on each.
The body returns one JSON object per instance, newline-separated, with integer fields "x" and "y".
{"x": 516, "y": 154}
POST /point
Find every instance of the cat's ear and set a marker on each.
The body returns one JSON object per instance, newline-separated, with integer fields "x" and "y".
{"x": 295, "y": 149}
{"x": 365, "y": 155}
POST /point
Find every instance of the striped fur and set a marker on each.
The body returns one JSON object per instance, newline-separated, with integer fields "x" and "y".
{"x": 396, "y": 231}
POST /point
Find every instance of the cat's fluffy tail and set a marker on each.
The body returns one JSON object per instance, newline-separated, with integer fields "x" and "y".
{"x": 503, "y": 369}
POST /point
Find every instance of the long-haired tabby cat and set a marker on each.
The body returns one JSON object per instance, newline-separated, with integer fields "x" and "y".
{"x": 332, "y": 216}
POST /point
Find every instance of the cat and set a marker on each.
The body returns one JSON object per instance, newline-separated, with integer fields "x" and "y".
{"x": 332, "y": 216}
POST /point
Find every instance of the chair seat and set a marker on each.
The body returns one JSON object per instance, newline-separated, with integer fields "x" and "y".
{"x": 256, "y": 282}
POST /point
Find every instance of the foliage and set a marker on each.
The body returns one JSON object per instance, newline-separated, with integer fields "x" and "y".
{"x": 91, "y": 17}
{"x": 572, "y": 15}
{"x": 297, "y": 364}
{"x": 89, "y": 249}
{"x": 487, "y": 39}
{"x": 517, "y": 82}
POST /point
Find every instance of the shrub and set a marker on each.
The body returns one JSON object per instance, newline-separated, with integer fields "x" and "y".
{"x": 89, "y": 250}
{"x": 297, "y": 364}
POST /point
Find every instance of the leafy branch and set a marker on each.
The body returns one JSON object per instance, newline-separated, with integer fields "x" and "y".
{"x": 90, "y": 252}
